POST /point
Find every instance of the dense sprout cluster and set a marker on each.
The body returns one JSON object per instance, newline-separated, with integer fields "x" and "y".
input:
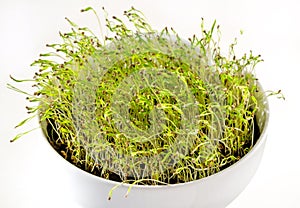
{"x": 145, "y": 105}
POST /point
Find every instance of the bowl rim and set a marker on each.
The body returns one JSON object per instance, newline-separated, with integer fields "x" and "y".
{"x": 259, "y": 143}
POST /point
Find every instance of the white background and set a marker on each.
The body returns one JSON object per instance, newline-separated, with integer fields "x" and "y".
{"x": 30, "y": 178}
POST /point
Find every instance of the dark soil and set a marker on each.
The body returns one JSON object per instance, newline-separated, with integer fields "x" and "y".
{"x": 95, "y": 170}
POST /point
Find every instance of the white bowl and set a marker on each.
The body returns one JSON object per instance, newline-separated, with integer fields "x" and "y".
{"x": 215, "y": 191}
